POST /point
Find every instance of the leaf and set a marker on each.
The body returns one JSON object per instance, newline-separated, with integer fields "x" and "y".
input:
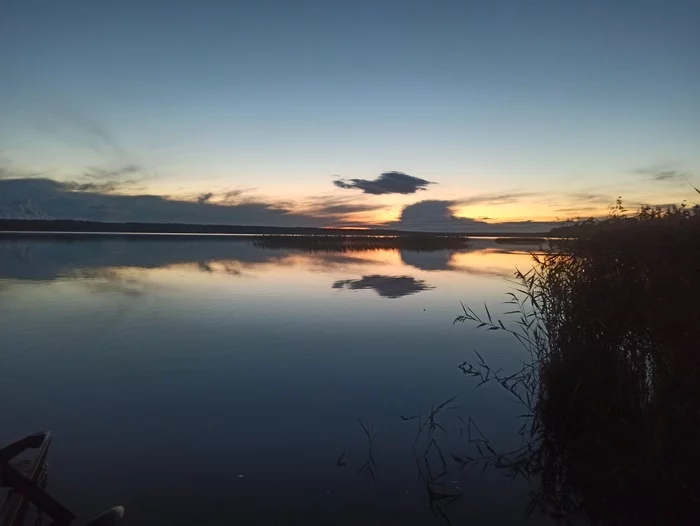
{"x": 487, "y": 312}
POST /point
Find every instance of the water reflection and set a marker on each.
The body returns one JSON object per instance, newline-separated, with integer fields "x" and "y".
{"x": 183, "y": 339}
{"x": 44, "y": 260}
{"x": 385, "y": 286}
{"x": 110, "y": 280}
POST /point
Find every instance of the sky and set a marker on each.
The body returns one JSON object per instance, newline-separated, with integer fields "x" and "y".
{"x": 419, "y": 114}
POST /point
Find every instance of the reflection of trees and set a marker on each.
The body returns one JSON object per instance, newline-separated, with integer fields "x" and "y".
{"x": 385, "y": 286}
{"x": 613, "y": 387}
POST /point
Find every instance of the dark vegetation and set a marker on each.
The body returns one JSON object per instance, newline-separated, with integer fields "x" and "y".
{"x": 611, "y": 322}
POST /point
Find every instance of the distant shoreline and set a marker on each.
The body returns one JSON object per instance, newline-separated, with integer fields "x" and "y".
{"x": 68, "y": 228}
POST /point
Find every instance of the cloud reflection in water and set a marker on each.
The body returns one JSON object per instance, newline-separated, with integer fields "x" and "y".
{"x": 386, "y": 286}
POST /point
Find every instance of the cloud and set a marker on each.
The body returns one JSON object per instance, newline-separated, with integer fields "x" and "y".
{"x": 205, "y": 197}
{"x": 431, "y": 214}
{"x": 438, "y": 216}
{"x": 386, "y": 286}
{"x": 230, "y": 195}
{"x": 578, "y": 209}
{"x": 324, "y": 206}
{"x": 495, "y": 199}
{"x": 69, "y": 123}
{"x": 591, "y": 197}
{"x": 347, "y": 208}
{"x": 662, "y": 173}
{"x": 106, "y": 181}
{"x": 98, "y": 195}
{"x": 218, "y": 196}
{"x": 50, "y": 199}
{"x": 386, "y": 183}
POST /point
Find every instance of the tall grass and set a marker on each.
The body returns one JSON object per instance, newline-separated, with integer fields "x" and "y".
{"x": 610, "y": 320}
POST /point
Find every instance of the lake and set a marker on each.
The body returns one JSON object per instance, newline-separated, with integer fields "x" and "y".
{"x": 208, "y": 381}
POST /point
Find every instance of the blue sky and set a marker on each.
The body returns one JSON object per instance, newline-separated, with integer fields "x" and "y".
{"x": 544, "y": 100}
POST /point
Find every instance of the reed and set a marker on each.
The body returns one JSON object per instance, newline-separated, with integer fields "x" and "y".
{"x": 610, "y": 323}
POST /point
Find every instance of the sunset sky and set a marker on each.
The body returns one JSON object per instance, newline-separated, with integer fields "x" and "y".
{"x": 419, "y": 114}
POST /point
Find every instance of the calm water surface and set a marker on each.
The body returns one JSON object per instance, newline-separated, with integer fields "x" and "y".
{"x": 206, "y": 381}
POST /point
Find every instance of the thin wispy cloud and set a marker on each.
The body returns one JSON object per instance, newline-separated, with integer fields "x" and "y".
{"x": 69, "y": 124}
{"x": 231, "y": 195}
{"x": 578, "y": 209}
{"x": 105, "y": 181}
{"x": 345, "y": 208}
{"x": 218, "y": 196}
{"x": 329, "y": 205}
{"x": 205, "y": 197}
{"x": 590, "y": 197}
{"x": 386, "y": 183}
{"x": 662, "y": 173}
{"x": 495, "y": 198}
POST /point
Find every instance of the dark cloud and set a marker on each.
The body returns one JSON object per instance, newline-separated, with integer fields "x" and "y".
{"x": 432, "y": 215}
{"x": 437, "y": 216}
{"x": 386, "y": 183}
{"x": 386, "y": 286}
{"x": 49, "y": 199}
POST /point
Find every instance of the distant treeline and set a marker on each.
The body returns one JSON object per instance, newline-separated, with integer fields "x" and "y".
{"x": 65, "y": 225}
